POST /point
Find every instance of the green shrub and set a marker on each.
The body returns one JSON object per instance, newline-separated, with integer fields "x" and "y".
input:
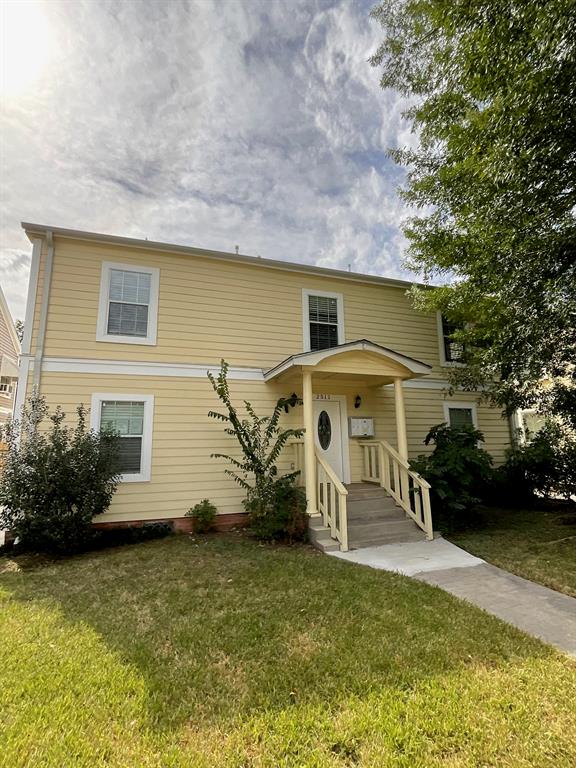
{"x": 544, "y": 466}
{"x": 284, "y": 517}
{"x": 270, "y": 498}
{"x": 130, "y": 534}
{"x": 55, "y": 479}
{"x": 458, "y": 471}
{"x": 203, "y": 516}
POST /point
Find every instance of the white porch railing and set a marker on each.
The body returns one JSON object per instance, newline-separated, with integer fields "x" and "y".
{"x": 298, "y": 446}
{"x": 384, "y": 465}
{"x": 330, "y": 494}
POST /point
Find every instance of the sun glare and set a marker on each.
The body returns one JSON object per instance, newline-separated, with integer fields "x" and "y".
{"x": 25, "y": 36}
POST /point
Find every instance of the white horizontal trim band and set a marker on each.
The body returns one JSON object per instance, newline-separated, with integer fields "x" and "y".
{"x": 423, "y": 384}
{"x": 181, "y": 370}
{"x": 184, "y": 370}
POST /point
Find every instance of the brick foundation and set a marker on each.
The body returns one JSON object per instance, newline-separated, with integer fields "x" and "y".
{"x": 182, "y": 524}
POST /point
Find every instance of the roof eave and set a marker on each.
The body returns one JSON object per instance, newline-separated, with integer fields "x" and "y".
{"x": 416, "y": 367}
{"x": 73, "y": 234}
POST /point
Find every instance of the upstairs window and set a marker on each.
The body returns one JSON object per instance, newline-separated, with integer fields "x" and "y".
{"x": 130, "y": 416}
{"x": 129, "y": 301}
{"x": 451, "y": 351}
{"x": 128, "y": 304}
{"x": 323, "y": 318}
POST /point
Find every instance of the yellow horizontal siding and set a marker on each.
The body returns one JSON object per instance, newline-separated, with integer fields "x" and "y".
{"x": 184, "y": 436}
{"x": 209, "y": 309}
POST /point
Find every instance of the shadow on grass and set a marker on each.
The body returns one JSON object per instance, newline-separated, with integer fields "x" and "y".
{"x": 222, "y": 628}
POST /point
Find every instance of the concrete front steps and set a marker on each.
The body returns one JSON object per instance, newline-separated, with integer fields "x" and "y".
{"x": 373, "y": 520}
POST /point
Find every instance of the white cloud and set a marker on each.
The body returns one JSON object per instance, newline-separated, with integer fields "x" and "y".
{"x": 207, "y": 123}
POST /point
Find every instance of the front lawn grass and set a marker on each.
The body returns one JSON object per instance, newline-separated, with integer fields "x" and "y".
{"x": 539, "y": 545}
{"x": 224, "y": 652}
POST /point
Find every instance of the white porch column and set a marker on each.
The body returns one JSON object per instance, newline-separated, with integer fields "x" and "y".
{"x": 402, "y": 437}
{"x": 309, "y": 451}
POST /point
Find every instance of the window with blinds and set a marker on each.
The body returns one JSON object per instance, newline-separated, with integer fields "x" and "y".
{"x": 128, "y": 303}
{"x": 460, "y": 417}
{"x": 323, "y": 318}
{"x": 126, "y": 418}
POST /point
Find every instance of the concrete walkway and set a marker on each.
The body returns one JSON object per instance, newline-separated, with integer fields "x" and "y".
{"x": 537, "y": 610}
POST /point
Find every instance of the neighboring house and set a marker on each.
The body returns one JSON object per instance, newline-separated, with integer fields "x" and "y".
{"x": 9, "y": 352}
{"x": 130, "y": 327}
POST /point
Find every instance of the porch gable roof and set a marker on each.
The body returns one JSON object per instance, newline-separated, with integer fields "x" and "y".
{"x": 413, "y": 368}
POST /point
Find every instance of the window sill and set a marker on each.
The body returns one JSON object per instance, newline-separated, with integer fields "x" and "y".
{"x": 452, "y": 364}
{"x": 141, "y": 340}
{"x": 140, "y": 478}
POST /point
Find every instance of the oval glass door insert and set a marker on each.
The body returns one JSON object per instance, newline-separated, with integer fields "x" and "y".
{"x": 324, "y": 430}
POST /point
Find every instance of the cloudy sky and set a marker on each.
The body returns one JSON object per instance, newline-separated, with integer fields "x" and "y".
{"x": 202, "y": 122}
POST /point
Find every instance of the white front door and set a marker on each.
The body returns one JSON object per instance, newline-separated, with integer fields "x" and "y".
{"x": 328, "y": 433}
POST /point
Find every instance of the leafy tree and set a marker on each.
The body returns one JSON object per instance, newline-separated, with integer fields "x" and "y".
{"x": 55, "y": 479}
{"x": 492, "y": 89}
{"x": 261, "y": 440}
{"x": 19, "y": 325}
{"x": 544, "y": 466}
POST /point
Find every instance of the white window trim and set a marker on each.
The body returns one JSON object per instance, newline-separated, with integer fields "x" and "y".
{"x": 104, "y": 302}
{"x": 146, "y": 456}
{"x": 306, "y": 293}
{"x": 458, "y": 405}
{"x": 443, "y": 362}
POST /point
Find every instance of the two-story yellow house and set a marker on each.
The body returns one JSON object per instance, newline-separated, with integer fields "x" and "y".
{"x": 130, "y": 328}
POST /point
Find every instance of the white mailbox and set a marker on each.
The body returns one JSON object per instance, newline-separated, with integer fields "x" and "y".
{"x": 361, "y": 427}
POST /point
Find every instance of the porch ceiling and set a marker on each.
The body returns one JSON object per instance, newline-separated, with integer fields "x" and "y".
{"x": 357, "y": 360}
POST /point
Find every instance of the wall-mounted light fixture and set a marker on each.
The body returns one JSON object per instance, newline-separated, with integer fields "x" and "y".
{"x": 357, "y": 401}
{"x": 291, "y": 402}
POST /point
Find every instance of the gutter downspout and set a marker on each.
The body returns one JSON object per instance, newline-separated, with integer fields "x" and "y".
{"x": 43, "y": 313}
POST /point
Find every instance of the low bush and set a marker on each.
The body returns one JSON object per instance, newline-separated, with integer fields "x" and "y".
{"x": 459, "y": 472}
{"x": 55, "y": 479}
{"x": 544, "y": 466}
{"x": 130, "y": 534}
{"x": 284, "y": 515}
{"x": 203, "y": 516}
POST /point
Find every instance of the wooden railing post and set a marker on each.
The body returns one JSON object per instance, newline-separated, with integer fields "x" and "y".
{"x": 343, "y": 509}
{"x": 381, "y": 467}
{"x": 427, "y": 514}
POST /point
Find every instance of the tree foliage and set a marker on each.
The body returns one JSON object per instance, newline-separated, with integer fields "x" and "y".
{"x": 19, "y": 325}
{"x": 492, "y": 89}
{"x": 544, "y": 466}
{"x": 261, "y": 440}
{"x": 55, "y": 478}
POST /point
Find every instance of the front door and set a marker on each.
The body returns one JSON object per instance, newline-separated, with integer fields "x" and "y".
{"x": 328, "y": 433}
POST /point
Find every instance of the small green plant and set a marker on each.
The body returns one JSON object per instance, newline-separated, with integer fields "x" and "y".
{"x": 55, "y": 479}
{"x": 261, "y": 441}
{"x": 458, "y": 471}
{"x": 203, "y": 516}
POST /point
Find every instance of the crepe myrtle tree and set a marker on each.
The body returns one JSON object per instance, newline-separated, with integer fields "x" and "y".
{"x": 55, "y": 478}
{"x": 490, "y": 89}
{"x": 261, "y": 441}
